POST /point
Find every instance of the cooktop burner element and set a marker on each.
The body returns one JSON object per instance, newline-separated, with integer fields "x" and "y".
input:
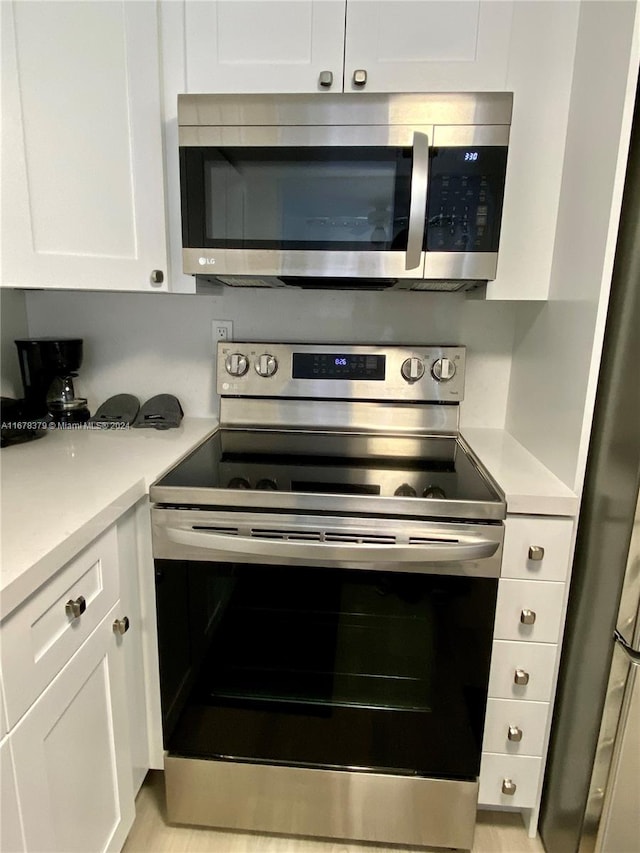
{"x": 350, "y": 429}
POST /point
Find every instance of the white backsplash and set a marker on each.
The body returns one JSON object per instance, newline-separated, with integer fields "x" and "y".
{"x": 147, "y": 344}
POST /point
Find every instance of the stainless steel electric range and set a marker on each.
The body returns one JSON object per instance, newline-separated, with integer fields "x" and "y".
{"x": 327, "y": 566}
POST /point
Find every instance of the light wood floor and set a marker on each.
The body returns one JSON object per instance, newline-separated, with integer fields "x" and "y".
{"x": 496, "y": 832}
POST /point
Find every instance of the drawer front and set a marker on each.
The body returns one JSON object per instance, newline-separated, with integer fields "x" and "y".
{"x": 529, "y": 610}
{"x": 515, "y": 727}
{"x": 519, "y": 774}
{"x": 41, "y": 636}
{"x": 524, "y": 536}
{"x": 533, "y": 662}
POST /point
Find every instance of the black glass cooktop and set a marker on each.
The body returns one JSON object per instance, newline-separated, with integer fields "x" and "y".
{"x": 429, "y": 468}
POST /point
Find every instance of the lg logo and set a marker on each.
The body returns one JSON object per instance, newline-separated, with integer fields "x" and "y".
{"x": 204, "y": 261}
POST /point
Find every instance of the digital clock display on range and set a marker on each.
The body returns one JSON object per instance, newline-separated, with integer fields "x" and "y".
{"x": 314, "y": 365}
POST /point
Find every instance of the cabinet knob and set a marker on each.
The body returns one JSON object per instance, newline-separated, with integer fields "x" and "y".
{"x": 508, "y": 787}
{"x": 121, "y": 626}
{"x": 326, "y": 79}
{"x": 514, "y": 734}
{"x": 521, "y": 677}
{"x": 75, "y": 607}
{"x": 360, "y": 77}
{"x": 157, "y": 277}
{"x": 536, "y": 553}
{"x": 528, "y": 617}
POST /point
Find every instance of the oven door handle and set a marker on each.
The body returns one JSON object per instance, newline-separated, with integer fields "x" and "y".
{"x": 465, "y": 548}
{"x": 418, "y": 201}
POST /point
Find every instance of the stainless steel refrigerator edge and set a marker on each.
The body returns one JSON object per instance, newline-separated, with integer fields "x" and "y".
{"x": 591, "y": 798}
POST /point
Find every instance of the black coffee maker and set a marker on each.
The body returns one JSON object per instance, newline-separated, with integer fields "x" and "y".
{"x": 48, "y": 367}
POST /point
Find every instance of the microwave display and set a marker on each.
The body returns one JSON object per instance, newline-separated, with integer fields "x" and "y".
{"x": 466, "y": 187}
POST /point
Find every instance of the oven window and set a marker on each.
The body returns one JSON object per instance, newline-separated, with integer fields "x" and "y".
{"x": 382, "y": 671}
{"x": 296, "y": 198}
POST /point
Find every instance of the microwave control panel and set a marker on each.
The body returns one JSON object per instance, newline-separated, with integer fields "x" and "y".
{"x": 466, "y": 189}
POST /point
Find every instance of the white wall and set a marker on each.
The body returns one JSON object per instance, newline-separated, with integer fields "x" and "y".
{"x": 558, "y": 344}
{"x": 147, "y": 344}
{"x": 13, "y": 316}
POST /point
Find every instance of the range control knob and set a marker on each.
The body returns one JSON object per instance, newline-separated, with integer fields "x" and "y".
{"x": 238, "y": 483}
{"x": 266, "y": 365}
{"x": 405, "y": 491}
{"x": 237, "y": 364}
{"x": 435, "y": 493}
{"x": 412, "y": 369}
{"x": 267, "y": 485}
{"x": 443, "y": 370}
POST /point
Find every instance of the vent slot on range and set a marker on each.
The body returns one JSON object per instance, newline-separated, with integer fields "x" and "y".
{"x": 432, "y": 540}
{"x": 360, "y": 538}
{"x": 287, "y": 535}
{"x": 212, "y": 528}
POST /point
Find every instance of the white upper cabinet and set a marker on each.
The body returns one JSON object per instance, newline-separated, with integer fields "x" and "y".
{"x": 400, "y": 45}
{"x": 431, "y": 46}
{"x": 264, "y": 45}
{"x": 82, "y": 200}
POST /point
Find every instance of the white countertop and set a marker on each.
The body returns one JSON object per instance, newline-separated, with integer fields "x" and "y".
{"x": 529, "y": 487}
{"x": 61, "y": 491}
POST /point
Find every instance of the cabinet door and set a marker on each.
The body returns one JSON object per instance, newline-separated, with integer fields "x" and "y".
{"x": 263, "y": 45}
{"x": 71, "y": 753}
{"x": 11, "y": 840}
{"x": 83, "y": 199}
{"x": 140, "y": 646}
{"x": 437, "y": 45}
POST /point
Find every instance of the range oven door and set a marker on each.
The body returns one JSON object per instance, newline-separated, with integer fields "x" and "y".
{"x": 343, "y": 203}
{"x": 287, "y": 685}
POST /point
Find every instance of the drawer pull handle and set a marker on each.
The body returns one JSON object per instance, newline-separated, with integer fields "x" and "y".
{"x": 515, "y": 734}
{"x": 75, "y": 608}
{"x": 326, "y": 79}
{"x": 528, "y": 617}
{"x": 508, "y": 787}
{"x": 521, "y": 677}
{"x": 536, "y": 553}
{"x": 121, "y": 626}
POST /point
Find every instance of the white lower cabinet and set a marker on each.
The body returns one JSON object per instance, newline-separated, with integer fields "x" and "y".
{"x": 82, "y": 696}
{"x": 43, "y": 634}
{"x": 522, "y": 670}
{"x": 529, "y": 611}
{"x": 140, "y": 647}
{"x": 509, "y": 780}
{"x": 515, "y": 727}
{"x": 536, "y": 548}
{"x": 71, "y": 753}
{"x": 528, "y": 629}
{"x": 11, "y": 840}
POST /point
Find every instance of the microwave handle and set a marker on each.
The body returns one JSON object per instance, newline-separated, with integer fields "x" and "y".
{"x": 418, "y": 202}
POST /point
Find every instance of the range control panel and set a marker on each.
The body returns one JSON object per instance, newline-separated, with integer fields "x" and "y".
{"x": 420, "y": 373}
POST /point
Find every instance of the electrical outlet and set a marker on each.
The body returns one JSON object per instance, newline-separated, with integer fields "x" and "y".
{"x": 222, "y": 330}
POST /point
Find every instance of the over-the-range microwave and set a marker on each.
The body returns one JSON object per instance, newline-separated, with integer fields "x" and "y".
{"x": 344, "y": 191}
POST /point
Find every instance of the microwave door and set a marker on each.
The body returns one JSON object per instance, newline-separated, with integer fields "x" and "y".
{"x": 352, "y": 206}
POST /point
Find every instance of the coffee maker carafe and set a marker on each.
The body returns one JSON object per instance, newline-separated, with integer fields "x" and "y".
{"x": 48, "y": 367}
